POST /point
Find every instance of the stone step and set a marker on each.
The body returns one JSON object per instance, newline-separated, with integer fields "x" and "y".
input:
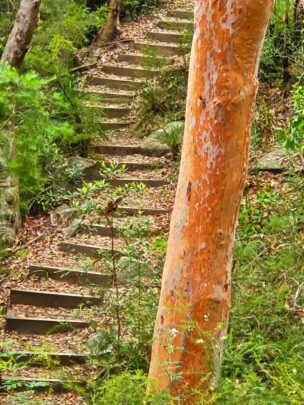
{"x": 37, "y": 384}
{"x": 114, "y": 82}
{"x": 159, "y": 49}
{"x": 169, "y": 37}
{"x": 106, "y": 231}
{"x": 70, "y": 275}
{"x": 112, "y": 97}
{"x": 50, "y": 299}
{"x": 123, "y": 150}
{"x": 182, "y": 14}
{"x": 147, "y": 182}
{"x": 112, "y": 125}
{"x": 145, "y": 60}
{"x": 40, "y": 326}
{"x": 127, "y": 71}
{"x": 111, "y": 111}
{"x": 39, "y": 358}
{"x": 92, "y": 251}
{"x": 175, "y": 25}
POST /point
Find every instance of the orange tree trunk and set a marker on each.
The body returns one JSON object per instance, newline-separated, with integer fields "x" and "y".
{"x": 194, "y": 304}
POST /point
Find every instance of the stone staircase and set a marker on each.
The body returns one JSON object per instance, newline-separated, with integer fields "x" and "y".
{"x": 36, "y": 305}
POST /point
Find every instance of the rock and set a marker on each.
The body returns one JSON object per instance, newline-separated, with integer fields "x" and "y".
{"x": 64, "y": 214}
{"x": 73, "y": 229}
{"x": 88, "y": 168}
{"x": 129, "y": 270}
{"x": 274, "y": 161}
{"x": 159, "y": 138}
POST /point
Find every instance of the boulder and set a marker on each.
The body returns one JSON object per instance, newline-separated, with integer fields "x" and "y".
{"x": 170, "y": 135}
{"x": 73, "y": 228}
{"x": 64, "y": 214}
{"x": 275, "y": 161}
{"x": 88, "y": 168}
{"x": 129, "y": 270}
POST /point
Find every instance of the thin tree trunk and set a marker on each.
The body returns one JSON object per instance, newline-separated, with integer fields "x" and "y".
{"x": 21, "y": 34}
{"x": 14, "y": 52}
{"x": 194, "y": 304}
{"x": 110, "y": 30}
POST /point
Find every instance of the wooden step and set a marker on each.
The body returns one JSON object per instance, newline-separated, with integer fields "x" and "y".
{"x": 182, "y": 14}
{"x": 146, "y": 182}
{"x": 175, "y": 25}
{"x": 112, "y": 97}
{"x": 70, "y": 275}
{"x": 114, "y": 83}
{"x": 107, "y": 111}
{"x": 169, "y": 37}
{"x": 127, "y": 71}
{"x": 145, "y": 60}
{"x": 123, "y": 150}
{"x": 112, "y": 125}
{"x": 130, "y": 211}
{"x": 106, "y": 231}
{"x": 40, "y": 358}
{"x": 37, "y": 384}
{"x": 160, "y": 49}
{"x": 40, "y": 326}
{"x": 88, "y": 250}
{"x": 50, "y": 299}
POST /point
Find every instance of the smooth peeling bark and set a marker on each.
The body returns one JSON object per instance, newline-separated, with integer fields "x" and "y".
{"x": 110, "y": 30}
{"x": 194, "y": 304}
{"x": 22, "y": 32}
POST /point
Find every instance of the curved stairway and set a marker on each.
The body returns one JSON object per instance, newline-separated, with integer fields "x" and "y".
{"x": 36, "y": 306}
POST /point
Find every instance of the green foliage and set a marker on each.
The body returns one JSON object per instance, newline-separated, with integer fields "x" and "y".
{"x": 63, "y": 27}
{"x": 130, "y": 8}
{"x": 43, "y": 125}
{"x": 293, "y": 139}
{"x": 282, "y": 48}
{"x": 163, "y": 101}
{"x": 263, "y": 356}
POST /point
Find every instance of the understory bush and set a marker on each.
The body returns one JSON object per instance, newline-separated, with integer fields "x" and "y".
{"x": 43, "y": 127}
{"x": 130, "y": 8}
{"x": 264, "y": 346}
{"x": 164, "y": 100}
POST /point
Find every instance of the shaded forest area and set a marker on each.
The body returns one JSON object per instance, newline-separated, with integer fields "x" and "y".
{"x": 52, "y": 121}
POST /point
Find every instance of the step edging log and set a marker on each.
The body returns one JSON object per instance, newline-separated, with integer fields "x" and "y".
{"x": 92, "y": 251}
{"x": 71, "y": 275}
{"x": 42, "y": 326}
{"x": 123, "y": 150}
{"x": 51, "y": 299}
{"x": 39, "y": 358}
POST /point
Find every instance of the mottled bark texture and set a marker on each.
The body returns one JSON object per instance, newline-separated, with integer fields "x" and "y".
{"x": 194, "y": 305}
{"x": 21, "y": 34}
{"x": 110, "y": 30}
{"x": 15, "y": 49}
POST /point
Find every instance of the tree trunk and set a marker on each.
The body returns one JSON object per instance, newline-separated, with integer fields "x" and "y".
{"x": 298, "y": 20}
{"x": 110, "y": 30}
{"x": 194, "y": 304}
{"x": 21, "y": 34}
{"x": 14, "y": 52}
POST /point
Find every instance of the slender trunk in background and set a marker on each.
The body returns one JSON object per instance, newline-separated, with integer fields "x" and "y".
{"x": 194, "y": 304}
{"x": 110, "y": 30}
{"x": 14, "y": 52}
